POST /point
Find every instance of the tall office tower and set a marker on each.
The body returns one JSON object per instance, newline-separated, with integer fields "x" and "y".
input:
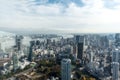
{"x": 48, "y": 41}
{"x": 117, "y": 39}
{"x": 79, "y": 41}
{"x": 75, "y": 51}
{"x": 91, "y": 56}
{"x": 30, "y": 55}
{"x": 115, "y": 71}
{"x": 37, "y": 42}
{"x": 115, "y": 64}
{"x": 18, "y": 40}
{"x": 115, "y": 55}
{"x": 66, "y": 69}
{"x": 104, "y": 42}
{"x": 15, "y": 59}
{"x": 76, "y": 38}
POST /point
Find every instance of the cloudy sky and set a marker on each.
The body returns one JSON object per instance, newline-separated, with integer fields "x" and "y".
{"x": 51, "y": 16}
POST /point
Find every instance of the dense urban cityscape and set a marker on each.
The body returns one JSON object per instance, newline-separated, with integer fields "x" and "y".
{"x": 59, "y": 39}
{"x": 60, "y": 57}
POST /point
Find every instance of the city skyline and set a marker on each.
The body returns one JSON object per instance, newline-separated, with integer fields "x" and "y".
{"x": 60, "y": 16}
{"x": 59, "y": 57}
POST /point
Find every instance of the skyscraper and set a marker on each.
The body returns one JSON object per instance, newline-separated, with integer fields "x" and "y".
{"x": 117, "y": 39}
{"x": 80, "y": 51}
{"x": 30, "y": 55}
{"x": 66, "y": 69}
{"x": 18, "y": 40}
{"x": 115, "y": 65}
{"x": 75, "y": 51}
{"x": 91, "y": 56}
{"x": 15, "y": 59}
{"x": 37, "y": 42}
{"x": 115, "y": 70}
{"x": 115, "y": 55}
{"x": 79, "y": 41}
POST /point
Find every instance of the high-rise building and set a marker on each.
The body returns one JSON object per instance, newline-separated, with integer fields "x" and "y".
{"x": 18, "y": 40}
{"x": 80, "y": 51}
{"x": 37, "y": 42}
{"x": 79, "y": 41}
{"x": 117, "y": 39}
{"x": 115, "y": 55}
{"x": 15, "y": 59}
{"x": 104, "y": 42}
{"x": 91, "y": 56}
{"x": 15, "y": 62}
{"x": 30, "y": 55}
{"x": 115, "y": 65}
{"x": 75, "y": 51}
{"x": 115, "y": 71}
{"x": 66, "y": 69}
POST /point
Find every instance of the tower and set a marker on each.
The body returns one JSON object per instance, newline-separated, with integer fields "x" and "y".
{"x": 79, "y": 41}
{"x": 117, "y": 39}
{"x": 30, "y": 55}
{"x": 75, "y": 51}
{"x": 80, "y": 51}
{"x": 115, "y": 55}
{"x": 115, "y": 70}
{"x": 18, "y": 41}
{"x": 15, "y": 59}
{"x": 115, "y": 65}
{"x": 91, "y": 56}
{"x": 66, "y": 69}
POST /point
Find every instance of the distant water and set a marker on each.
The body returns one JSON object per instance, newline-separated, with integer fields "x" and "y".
{"x": 67, "y": 36}
{"x": 7, "y": 41}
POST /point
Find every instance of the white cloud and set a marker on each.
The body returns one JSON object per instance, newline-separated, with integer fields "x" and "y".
{"x": 93, "y": 17}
